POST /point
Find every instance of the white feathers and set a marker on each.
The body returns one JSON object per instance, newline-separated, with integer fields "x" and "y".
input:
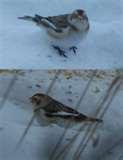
{"x": 62, "y": 113}
{"x": 51, "y": 25}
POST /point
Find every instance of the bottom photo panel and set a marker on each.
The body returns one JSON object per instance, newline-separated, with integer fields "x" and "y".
{"x": 61, "y": 114}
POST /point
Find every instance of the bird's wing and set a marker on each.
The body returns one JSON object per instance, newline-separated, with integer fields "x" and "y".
{"x": 62, "y": 114}
{"x": 46, "y": 22}
{"x": 59, "y": 21}
{"x": 56, "y": 107}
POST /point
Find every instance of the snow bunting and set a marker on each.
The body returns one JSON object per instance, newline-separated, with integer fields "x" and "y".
{"x": 63, "y": 30}
{"x": 49, "y": 111}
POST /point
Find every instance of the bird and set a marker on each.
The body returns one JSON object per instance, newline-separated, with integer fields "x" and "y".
{"x": 63, "y": 29}
{"x": 50, "y": 111}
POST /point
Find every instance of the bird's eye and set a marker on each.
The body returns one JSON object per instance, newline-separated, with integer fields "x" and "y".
{"x": 34, "y": 99}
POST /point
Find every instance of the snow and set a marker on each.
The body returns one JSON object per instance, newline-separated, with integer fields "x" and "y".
{"x": 40, "y": 141}
{"x": 23, "y": 45}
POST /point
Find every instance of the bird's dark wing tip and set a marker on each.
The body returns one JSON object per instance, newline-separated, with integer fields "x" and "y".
{"x": 24, "y": 17}
{"x": 99, "y": 120}
{"x": 20, "y": 17}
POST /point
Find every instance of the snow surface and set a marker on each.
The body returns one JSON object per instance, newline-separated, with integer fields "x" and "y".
{"x": 40, "y": 141}
{"x": 23, "y": 45}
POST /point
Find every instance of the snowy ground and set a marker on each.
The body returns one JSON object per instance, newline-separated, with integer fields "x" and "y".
{"x": 39, "y": 142}
{"x": 22, "y": 45}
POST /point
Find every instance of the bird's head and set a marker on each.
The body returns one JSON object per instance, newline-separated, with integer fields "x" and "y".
{"x": 79, "y": 19}
{"x": 39, "y": 99}
{"x": 79, "y": 14}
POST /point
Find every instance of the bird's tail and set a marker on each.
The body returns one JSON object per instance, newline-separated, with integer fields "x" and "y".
{"x": 36, "y": 18}
{"x": 91, "y": 119}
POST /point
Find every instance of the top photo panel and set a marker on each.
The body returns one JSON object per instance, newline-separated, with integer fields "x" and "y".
{"x": 65, "y": 34}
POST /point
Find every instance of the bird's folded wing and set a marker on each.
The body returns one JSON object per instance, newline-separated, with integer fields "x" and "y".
{"x": 57, "y": 107}
{"x": 61, "y": 114}
{"x": 60, "y": 21}
{"x": 67, "y": 109}
{"x": 49, "y": 24}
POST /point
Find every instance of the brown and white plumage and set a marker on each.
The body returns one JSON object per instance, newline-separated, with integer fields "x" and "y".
{"x": 62, "y": 25}
{"x": 64, "y": 31}
{"x": 52, "y": 111}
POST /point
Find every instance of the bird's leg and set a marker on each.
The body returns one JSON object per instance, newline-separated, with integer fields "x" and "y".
{"x": 73, "y": 48}
{"x": 60, "y": 51}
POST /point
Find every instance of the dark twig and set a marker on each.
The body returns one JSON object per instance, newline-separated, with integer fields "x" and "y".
{"x": 8, "y": 90}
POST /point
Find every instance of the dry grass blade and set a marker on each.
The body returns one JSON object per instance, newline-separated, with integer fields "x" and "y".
{"x": 115, "y": 85}
{"x": 53, "y": 156}
{"x": 53, "y": 81}
{"x": 67, "y": 147}
{"x": 8, "y": 90}
{"x": 25, "y": 132}
{"x": 34, "y": 114}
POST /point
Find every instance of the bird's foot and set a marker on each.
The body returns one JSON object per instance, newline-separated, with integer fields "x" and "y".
{"x": 60, "y": 51}
{"x": 73, "y": 48}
